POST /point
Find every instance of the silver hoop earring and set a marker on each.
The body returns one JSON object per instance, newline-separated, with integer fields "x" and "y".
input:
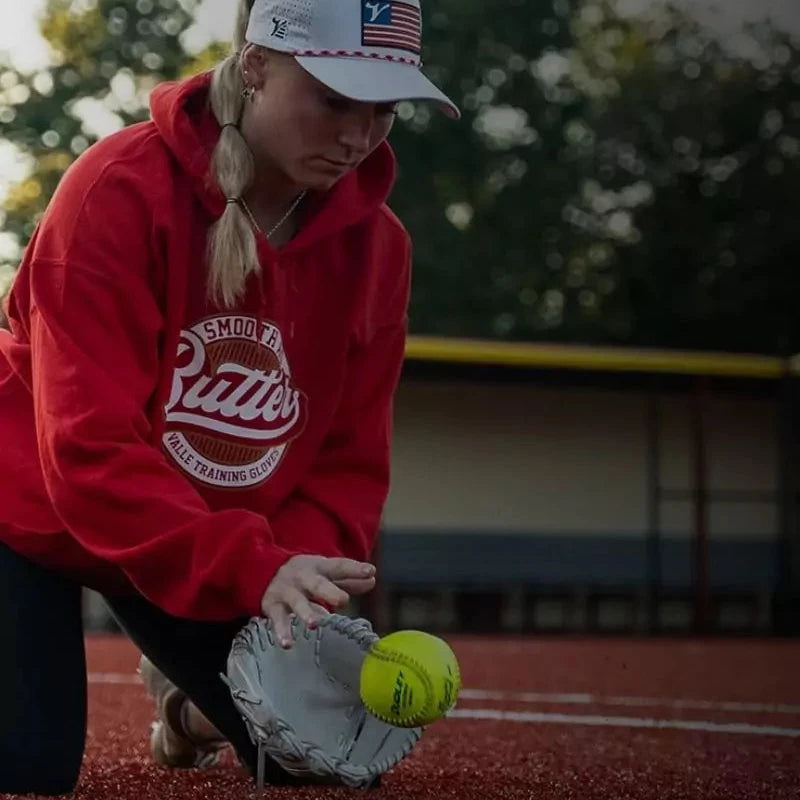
{"x": 249, "y": 93}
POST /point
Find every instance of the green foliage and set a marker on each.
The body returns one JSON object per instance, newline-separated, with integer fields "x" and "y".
{"x": 614, "y": 179}
{"x": 641, "y": 192}
{"x": 691, "y": 184}
{"x": 483, "y": 197}
{"x": 111, "y": 52}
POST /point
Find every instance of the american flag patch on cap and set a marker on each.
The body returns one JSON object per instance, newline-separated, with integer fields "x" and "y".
{"x": 391, "y": 24}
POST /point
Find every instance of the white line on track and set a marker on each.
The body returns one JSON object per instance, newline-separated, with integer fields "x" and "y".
{"x": 651, "y": 702}
{"x": 114, "y": 677}
{"x": 624, "y": 722}
{"x": 130, "y": 678}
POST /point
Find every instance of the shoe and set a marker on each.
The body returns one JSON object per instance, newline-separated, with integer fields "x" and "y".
{"x": 170, "y": 744}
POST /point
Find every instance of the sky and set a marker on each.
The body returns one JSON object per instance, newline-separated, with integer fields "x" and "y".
{"x": 19, "y": 34}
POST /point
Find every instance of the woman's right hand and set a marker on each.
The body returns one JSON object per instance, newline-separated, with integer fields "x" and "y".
{"x": 305, "y": 581}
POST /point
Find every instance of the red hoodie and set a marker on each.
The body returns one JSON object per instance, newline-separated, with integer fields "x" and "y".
{"x": 156, "y": 442}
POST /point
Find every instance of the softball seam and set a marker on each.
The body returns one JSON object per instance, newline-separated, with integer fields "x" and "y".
{"x": 403, "y": 660}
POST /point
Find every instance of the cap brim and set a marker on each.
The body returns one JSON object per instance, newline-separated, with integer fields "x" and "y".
{"x": 376, "y": 81}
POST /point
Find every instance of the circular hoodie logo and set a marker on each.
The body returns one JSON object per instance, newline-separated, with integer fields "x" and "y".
{"x": 233, "y": 409}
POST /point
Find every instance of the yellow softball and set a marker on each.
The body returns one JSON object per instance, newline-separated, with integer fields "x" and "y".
{"x": 409, "y": 679}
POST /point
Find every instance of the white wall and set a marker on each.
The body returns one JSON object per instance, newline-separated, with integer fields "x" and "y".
{"x": 741, "y": 455}
{"x": 483, "y": 457}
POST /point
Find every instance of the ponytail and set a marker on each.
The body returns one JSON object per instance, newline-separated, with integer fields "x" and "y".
{"x": 232, "y": 252}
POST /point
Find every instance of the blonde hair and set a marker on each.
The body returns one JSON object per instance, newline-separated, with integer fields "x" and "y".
{"x": 232, "y": 251}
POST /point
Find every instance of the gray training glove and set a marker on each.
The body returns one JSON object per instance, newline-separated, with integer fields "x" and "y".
{"x": 302, "y": 706}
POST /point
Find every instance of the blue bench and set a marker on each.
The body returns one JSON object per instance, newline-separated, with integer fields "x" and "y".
{"x": 414, "y": 558}
{"x": 585, "y": 574}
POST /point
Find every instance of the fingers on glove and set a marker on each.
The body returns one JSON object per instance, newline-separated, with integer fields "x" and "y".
{"x": 319, "y": 588}
{"x": 356, "y": 585}
{"x": 301, "y": 606}
{"x": 338, "y": 569}
{"x": 281, "y": 623}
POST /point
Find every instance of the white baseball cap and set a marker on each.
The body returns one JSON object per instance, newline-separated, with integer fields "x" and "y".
{"x": 366, "y": 50}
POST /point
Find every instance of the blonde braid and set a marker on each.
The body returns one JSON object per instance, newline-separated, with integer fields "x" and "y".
{"x": 232, "y": 252}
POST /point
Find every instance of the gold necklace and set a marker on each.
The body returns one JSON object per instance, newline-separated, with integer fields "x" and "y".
{"x": 268, "y": 234}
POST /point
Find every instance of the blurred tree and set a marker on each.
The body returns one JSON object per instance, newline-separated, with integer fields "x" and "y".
{"x": 686, "y": 210}
{"x": 483, "y": 197}
{"x": 615, "y": 178}
{"x": 106, "y": 57}
{"x": 622, "y": 178}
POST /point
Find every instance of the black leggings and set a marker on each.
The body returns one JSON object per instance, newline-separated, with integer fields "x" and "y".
{"x": 42, "y": 680}
{"x": 43, "y": 677}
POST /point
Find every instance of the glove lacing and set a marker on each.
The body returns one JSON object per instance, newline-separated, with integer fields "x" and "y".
{"x": 259, "y": 633}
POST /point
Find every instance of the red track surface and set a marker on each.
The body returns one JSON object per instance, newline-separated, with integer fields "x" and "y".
{"x": 509, "y": 759}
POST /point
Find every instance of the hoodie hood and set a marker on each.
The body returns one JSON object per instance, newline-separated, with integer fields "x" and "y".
{"x": 182, "y": 115}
